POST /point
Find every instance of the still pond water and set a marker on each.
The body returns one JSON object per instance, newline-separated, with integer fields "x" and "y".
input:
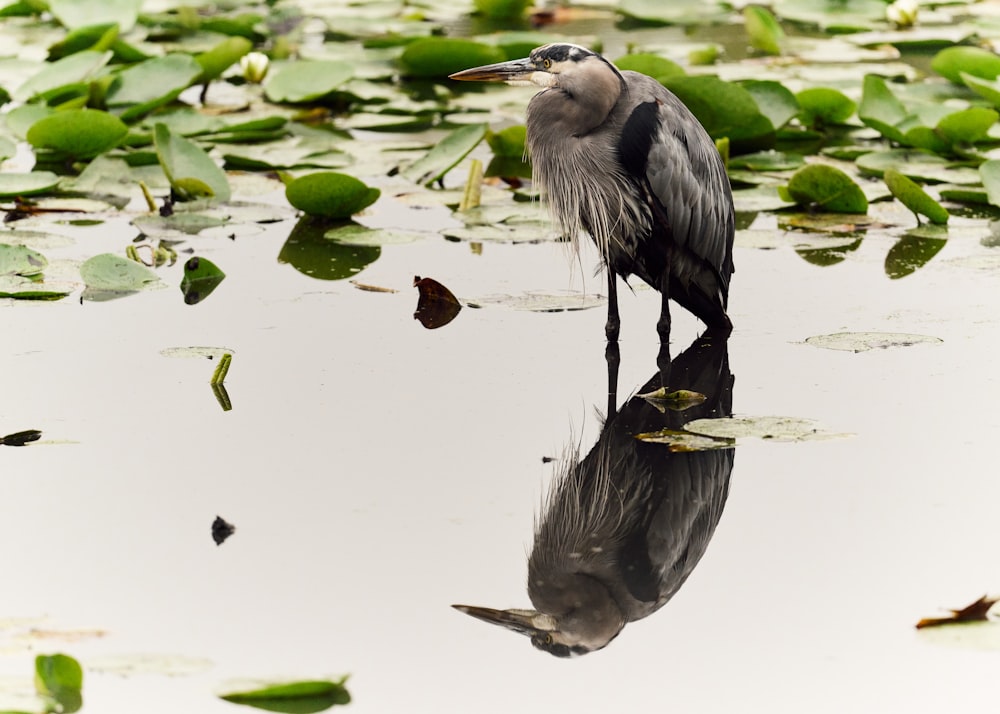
{"x": 378, "y": 472}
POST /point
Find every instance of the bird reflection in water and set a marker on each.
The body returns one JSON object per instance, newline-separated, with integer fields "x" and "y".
{"x": 623, "y": 528}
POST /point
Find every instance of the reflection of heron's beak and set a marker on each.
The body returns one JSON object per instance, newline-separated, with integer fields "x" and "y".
{"x": 527, "y": 622}
{"x": 513, "y": 72}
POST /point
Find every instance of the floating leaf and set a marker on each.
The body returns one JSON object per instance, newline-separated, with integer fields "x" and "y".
{"x": 441, "y": 56}
{"x": 300, "y": 697}
{"x": 918, "y": 164}
{"x": 725, "y": 109}
{"x": 827, "y": 188}
{"x": 677, "y": 401}
{"x": 436, "y": 305}
{"x": 881, "y": 109}
{"x": 974, "y": 612}
{"x": 305, "y": 80}
{"x": 59, "y": 678}
{"x": 990, "y": 173}
{"x": 21, "y": 438}
{"x": 508, "y": 142}
{"x": 68, "y": 71}
{"x": 684, "y": 441}
{"x": 864, "y": 341}
{"x": 81, "y": 133}
{"x": 773, "y": 100}
{"x": 223, "y": 56}
{"x": 914, "y": 197}
{"x": 221, "y": 530}
{"x": 27, "y": 184}
{"x": 330, "y": 194}
{"x": 763, "y": 31}
{"x": 763, "y": 427}
{"x": 822, "y": 106}
{"x": 501, "y": 8}
{"x": 142, "y": 88}
{"x": 445, "y": 154}
{"x": 80, "y": 13}
{"x": 951, "y": 62}
{"x": 192, "y": 173}
{"x": 201, "y": 277}
{"x": 113, "y": 273}
{"x": 20, "y": 260}
{"x": 659, "y": 68}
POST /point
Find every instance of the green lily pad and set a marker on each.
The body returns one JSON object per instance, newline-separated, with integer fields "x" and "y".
{"x": 113, "y": 273}
{"x": 441, "y": 56}
{"x": 221, "y": 57}
{"x": 773, "y": 100}
{"x": 985, "y": 88}
{"x": 914, "y": 197}
{"x": 192, "y": 173}
{"x": 918, "y": 165}
{"x": 951, "y": 62}
{"x": 59, "y": 678}
{"x": 827, "y": 188}
{"x": 330, "y": 194}
{"x": 990, "y": 173}
{"x": 27, "y": 184}
{"x": 680, "y": 12}
{"x": 508, "y": 142}
{"x": 501, "y": 8}
{"x": 70, "y": 70}
{"x": 142, "y": 88}
{"x": 911, "y": 253}
{"x": 881, "y": 109}
{"x": 21, "y": 260}
{"x": 681, "y": 441}
{"x": 81, "y": 133}
{"x": 822, "y": 106}
{"x": 445, "y": 154}
{"x": 864, "y": 341}
{"x": 201, "y": 277}
{"x": 655, "y": 66}
{"x": 725, "y": 109}
{"x": 80, "y": 13}
{"x": 297, "y": 697}
{"x": 763, "y": 31}
{"x": 305, "y": 80}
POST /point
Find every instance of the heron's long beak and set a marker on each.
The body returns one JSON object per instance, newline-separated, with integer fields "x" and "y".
{"x": 513, "y": 72}
{"x": 527, "y": 622}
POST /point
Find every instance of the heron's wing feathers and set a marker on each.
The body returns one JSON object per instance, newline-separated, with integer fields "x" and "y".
{"x": 684, "y": 170}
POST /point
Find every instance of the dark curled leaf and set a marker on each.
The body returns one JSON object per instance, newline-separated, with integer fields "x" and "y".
{"x": 436, "y": 305}
{"x": 21, "y": 438}
{"x": 976, "y": 612}
{"x": 221, "y": 530}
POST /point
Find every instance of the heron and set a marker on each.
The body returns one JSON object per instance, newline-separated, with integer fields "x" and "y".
{"x": 624, "y": 527}
{"x": 618, "y": 156}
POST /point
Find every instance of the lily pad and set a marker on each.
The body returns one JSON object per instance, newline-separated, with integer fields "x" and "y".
{"x": 59, "y": 678}
{"x": 826, "y": 187}
{"x": 914, "y": 197}
{"x": 681, "y": 441}
{"x": 80, "y": 13}
{"x": 27, "y": 184}
{"x": 142, "y": 88}
{"x": 951, "y": 62}
{"x": 445, "y": 154}
{"x": 299, "y": 697}
{"x": 201, "y": 277}
{"x": 539, "y": 301}
{"x": 70, "y": 70}
{"x": 305, "y": 80}
{"x": 113, "y": 273}
{"x": 774, "y": 428}
{"x": 508, "y": 142}
{"x": 221, "y": 57}
{"x": 81, "y": 133}
{"x": 441, "y": 56}
{"x": 990, "y": 173}
{"x": 864, "y": 341}
{"x": 330, "y": 194}
{"x": 655, "y": 66}
{"x": 725, "y": 109}
{"x": 822, "y": 106}
{"x": 21, "y": 260}
{"x": 763, "y": 31}
{"x": 192, "y": 173}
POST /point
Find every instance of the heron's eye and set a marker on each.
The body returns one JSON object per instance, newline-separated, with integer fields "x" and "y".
{"x": 547, "y": 64}
{"x": 548, "y": 638}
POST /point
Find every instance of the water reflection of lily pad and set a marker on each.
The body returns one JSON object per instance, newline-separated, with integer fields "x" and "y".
{"x": 502, "y": 233}
{"x": 201, "y": 277}
{"x": 311, "y": 253}
{"x": 679, "y": 440}
{"x": 910, "y": 253}
{"x": 864, "y": 341}
{"x": 774, "y": 428}
{"x": 564, "y": 301}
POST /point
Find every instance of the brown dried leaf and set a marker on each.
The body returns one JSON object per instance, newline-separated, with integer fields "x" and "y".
{"x": 976, "y": 612}
{"x": 436, "y": 305}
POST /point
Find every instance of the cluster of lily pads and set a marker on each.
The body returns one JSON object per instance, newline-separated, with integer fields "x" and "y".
{"x": 169, "y": 108}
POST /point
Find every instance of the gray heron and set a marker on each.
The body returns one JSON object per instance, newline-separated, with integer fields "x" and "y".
{"x": 621, "y": 158}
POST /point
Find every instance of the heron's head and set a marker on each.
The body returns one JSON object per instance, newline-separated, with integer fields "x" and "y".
{"x": 547, "y": 66}
{"x": 562, "y": 637}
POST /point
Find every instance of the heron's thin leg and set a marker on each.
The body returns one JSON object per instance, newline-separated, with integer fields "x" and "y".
{"x": 613, "y": 326}
{"x": 663, "y": 363}
{"x": 663, "y": 324}
{"x": 613, "y": 356}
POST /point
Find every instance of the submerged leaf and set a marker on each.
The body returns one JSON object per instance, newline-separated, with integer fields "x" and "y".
{"x": 864, "y": 341}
